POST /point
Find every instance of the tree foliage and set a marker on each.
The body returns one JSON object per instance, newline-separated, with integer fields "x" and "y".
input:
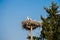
{"x": 51, "y": 26}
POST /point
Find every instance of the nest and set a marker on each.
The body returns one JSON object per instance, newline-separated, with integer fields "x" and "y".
{"x": 28, "y": 23}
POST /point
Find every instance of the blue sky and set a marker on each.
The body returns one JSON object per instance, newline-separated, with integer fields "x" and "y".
{"x": 13, "y": 12}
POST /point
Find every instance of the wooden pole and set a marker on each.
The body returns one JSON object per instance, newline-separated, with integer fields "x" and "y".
{"x": 31, "y": 32}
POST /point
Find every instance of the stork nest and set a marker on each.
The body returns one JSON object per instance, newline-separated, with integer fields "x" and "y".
{"x": 28, "y": 23}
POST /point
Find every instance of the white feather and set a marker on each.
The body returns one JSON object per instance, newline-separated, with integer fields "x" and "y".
{"x": 28, "y": 18}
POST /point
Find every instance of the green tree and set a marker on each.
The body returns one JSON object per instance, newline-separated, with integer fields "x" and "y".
{"x": 34, "y": 38}
{"x": 50, "y": 25}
